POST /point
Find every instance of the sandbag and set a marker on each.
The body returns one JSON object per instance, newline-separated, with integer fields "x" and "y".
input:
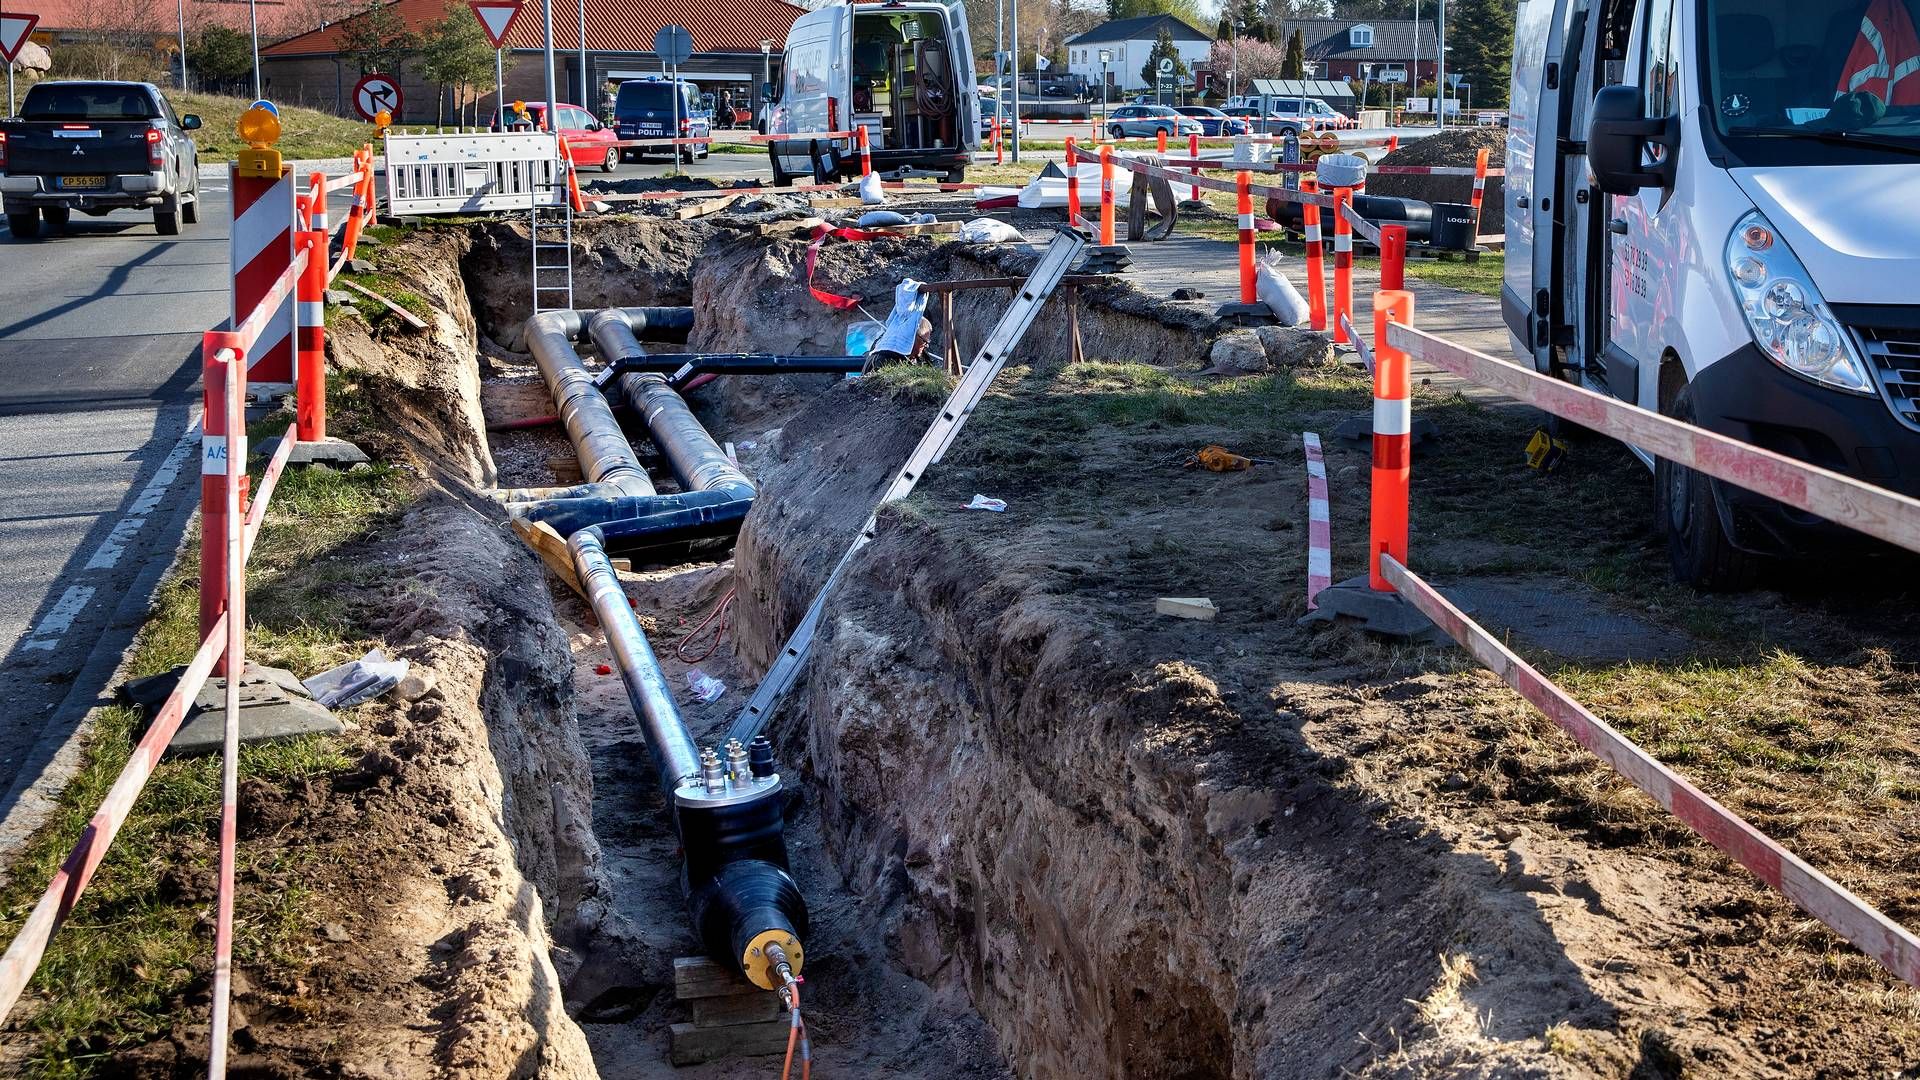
{"x": 1272, "y": 286}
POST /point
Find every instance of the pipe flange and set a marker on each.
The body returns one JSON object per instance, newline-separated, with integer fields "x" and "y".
{"x": 758, "y": 966}
{"x": 692, "y": 791}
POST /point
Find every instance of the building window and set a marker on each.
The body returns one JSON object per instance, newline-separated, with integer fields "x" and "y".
{"x": 1360, "y": 37}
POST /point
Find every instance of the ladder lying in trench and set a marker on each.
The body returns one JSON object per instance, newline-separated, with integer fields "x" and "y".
{"x": 1013, "y": 325}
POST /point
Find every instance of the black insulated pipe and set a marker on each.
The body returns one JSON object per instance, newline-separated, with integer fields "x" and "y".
{"x": 682, "y": 368}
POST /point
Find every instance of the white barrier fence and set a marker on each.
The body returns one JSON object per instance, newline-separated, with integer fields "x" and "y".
{"x": 470, "y": 174}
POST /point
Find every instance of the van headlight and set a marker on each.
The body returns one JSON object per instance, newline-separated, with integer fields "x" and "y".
{"x": 1789, "y": 320}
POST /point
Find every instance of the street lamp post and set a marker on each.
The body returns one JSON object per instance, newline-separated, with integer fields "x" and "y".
{"x": 1016, "y": 82}
{"x": 1366, "y": 84}
{"x": 253, "y": 23}
{"x": 1233, "y": 73}
{"x": 766, "y": 73}
{"x": 1106, "y": 57}
{"x": 180, "y": 13}
{"x": 1440, "y": 72}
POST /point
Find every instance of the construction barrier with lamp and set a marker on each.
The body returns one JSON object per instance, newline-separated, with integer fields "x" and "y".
{"x": 230, "y": 522}
{"x": 1395, "y": 600}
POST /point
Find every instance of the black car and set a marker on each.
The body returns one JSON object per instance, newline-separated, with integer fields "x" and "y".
{"x": 97, "y": 147}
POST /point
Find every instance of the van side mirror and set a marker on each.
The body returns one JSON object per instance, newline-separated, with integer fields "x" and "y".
{"x": 189, "y": 122}
{"x": 1617, "y": 137}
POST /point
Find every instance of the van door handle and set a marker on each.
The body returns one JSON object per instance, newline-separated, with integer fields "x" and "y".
{"x": 1522, "y": 201}
{"x": 1617, "y": 226}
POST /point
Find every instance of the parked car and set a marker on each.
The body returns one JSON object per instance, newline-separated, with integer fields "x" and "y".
{"x": 589, "y": 143}
{"x": 1130, "y": 120}
{"x": 843, "y": 65}
{"x": 990, "y": 108}
{"x": 1287, "y": 116}
{"x": 97, "y": 147}
{"x": 1213, "y": 122}
{"x": 644, "y": 109}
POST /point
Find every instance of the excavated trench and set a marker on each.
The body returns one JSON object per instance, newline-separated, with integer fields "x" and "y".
{"x": 1037, "y": 838}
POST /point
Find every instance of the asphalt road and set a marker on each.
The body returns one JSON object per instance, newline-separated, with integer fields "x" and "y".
{"x": 99, "y": 384}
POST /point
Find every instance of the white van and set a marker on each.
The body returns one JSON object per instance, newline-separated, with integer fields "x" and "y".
{"x": 904, "y": 70}
{"x": 1713, "y": 210}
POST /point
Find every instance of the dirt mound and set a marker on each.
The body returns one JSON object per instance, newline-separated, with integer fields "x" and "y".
{"x": 1456, "y": 148}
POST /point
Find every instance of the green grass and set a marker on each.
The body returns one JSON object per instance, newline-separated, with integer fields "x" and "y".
{"x": 138, "y": 939}
{"x": 305, "y": 133}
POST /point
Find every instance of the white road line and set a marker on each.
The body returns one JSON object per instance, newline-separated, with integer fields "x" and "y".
{"x": 47, "y": 635}
{"x": 107, "y": 555}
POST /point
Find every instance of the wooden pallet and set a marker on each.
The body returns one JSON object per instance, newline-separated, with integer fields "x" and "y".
{"x": 731, "y": 1017}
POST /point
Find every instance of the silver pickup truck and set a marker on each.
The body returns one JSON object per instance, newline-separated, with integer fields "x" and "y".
{"x": 97, "y": 147}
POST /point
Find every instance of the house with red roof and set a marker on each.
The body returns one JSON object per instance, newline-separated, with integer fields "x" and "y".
{"x": 736, "y": 45}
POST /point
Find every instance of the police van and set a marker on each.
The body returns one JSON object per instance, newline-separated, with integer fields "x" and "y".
{"x": 1713, "y": 211}
{"x": 902, "y": 70}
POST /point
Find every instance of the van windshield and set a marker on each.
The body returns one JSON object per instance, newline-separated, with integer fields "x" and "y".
{"x": 1845, "y": 72}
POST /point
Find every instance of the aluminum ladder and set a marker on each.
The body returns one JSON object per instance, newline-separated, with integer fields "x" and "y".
{"x": 551, "y": 231}
{"x": 966, "y": 396}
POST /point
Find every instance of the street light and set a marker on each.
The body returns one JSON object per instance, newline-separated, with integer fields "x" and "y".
{"x": 766, "y": 79}
{"x": 1106, "y": 57}
{"x": 1366, "y": 84}
{"x": 1233, "y": 73}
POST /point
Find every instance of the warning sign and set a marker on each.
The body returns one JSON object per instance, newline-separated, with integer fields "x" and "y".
{"x": 374, "y": 93}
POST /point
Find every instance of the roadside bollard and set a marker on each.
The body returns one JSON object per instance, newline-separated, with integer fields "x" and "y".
{"x": 220, "y": 450}
{"x": 1243, "y": 183}
{"x": 1393, "y": 143}
{"x": 309, "y": 339}
{"x": 1073, "y": 187}
{"x": 1392, "y": 437}
{"x": 866, "y": 151}
{"x": 1106, "y": 196}
{"x": 1193, "y": 151}
{"x": 1160, "y": 143}
{"x": 1479, "y": 190}
{"x": 1393, "y": 257}
{"x": 998, "y": 156}
{"x": 1342, "y": 264}
{"x": 1316, "y": 256}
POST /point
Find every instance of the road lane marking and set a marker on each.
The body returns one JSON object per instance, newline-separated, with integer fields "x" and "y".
{"x": 46, "y": 636}
{"x": 107, "y": 555}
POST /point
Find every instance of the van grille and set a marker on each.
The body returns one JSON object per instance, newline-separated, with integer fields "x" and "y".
{"x": 1894, "y": 356}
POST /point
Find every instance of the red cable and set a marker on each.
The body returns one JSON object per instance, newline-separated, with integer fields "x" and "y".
{"x": 720, "y": 632}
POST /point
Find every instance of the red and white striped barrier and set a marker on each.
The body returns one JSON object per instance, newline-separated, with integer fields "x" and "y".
{"x": 1392, "y": 437}
{"x": 801, "y": 135}
{"x": 1315, "y": 255}
{"x": 260, "y": 248}
{"x": 1308, "y": 166}
{"x": 1319, "y": 522}
{"x": 1342, "y": 262}
{"x": 1480, "y": 175}
{"x": 1073, "y": 188}
{"x": 1106, "y": 196}
{"x": 1249, "y": 291}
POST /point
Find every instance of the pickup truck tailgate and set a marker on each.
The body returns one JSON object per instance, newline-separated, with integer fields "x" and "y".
{"x": 49, "y": 148}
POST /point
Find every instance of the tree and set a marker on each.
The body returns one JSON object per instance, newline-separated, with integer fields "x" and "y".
{"x": 1481, "y": 35}
{"x": 1163, "y": 49}
{"x": 378, "y": 39}
{"x": 1295, "y": 65}
{"x": 221, "y": 56}
{"x": 1254, "y": 59}
{"x": 457, "y": 55}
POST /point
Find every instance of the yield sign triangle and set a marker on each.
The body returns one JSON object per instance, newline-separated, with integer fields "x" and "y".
{"x": 14, "y": 28}
{"x": 495, "y": 17}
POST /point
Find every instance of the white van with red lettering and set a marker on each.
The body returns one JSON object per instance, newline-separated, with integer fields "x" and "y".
{"x": 902, "y": 70}
{"x": 1713, "y": 210}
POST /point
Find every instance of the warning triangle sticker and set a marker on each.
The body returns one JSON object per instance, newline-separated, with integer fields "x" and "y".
{"x": 495, "y": 16}
{"x": 14, "y": 28}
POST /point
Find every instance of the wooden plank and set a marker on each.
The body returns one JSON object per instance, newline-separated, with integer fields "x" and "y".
{"x": 406, "y": 316}
{"x": 733, "y": 1010}
{"x": 836, "y": 202}
{"x": 700, "y": 977}
{"x": 705, "y": 207}
{"x": 788, "y": 228}
{"x": 1852, "y": 918}
{"x": 1186, "y": 607}
{"x": 1883, "y": 514}
{"x": 931, "y": 228}
{"x": 552, "y": 549}
{"x": 693, "y": 1045}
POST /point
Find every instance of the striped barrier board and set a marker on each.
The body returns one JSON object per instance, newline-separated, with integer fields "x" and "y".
{"x": 1319, "y": 522}
{"x": 1872, "y": 932}
{"x": 891, "y": 185}
{"x": 1306, "y": 167}
{"x": 1211, "y": 183}
{"x": 260, "y": 250}
{"x": 1875, "y": 511}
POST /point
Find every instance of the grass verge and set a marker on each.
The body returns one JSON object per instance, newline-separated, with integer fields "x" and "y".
{"x": 139, "y": 942}
{"x": 305, "y": 133}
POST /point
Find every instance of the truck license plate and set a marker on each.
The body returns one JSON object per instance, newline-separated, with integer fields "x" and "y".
{"x": 83, "y": 183}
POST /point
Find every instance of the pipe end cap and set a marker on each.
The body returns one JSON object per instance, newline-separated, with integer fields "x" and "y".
{"x": 759, "y": 968}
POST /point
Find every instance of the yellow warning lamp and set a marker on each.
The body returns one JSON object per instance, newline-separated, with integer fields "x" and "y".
{"x": 382, "y": 120}
{"x": 260, "y": 127}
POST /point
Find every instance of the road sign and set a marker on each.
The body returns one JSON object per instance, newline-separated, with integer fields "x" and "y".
{"x": 1166, "y": 65}
{"x": 1394, "y": 75}
{"x": 673, "y": 45}
{"x": 496, "y": 18}
{"x": 14, "y": 28}
{"x": 374, "y": 93}
{"x": 1453, "y": 80}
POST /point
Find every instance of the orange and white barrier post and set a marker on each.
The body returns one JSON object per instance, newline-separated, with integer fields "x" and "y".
{"x": 1193, "y": 151}
{"x": 1342, "y": 263}
{"x": 1393, "y": 257}
{"x": 1393, "y": 143}
{"x": 1479, "y": 188}
{"x": 866, "y": 150}
{"x": 1316, "y": 257}
{"x": 310, "y": 370}
{"x": 221, "y": 451}
{"x": 1249, "y": 294}
{"x": 1073, "y": 186}
{"x": 1160, "y": 142}
{"x": 1392, "y": 437}
{"x": 260, "y": 248}
{"x": 1106, "y": 195}
{"x": 999, "y": 156}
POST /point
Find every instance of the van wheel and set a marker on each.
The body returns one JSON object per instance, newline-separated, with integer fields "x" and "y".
{"x": 956, "y": 176}
{"x": 1686, "y": 516}
{"x": 24, "y": 224}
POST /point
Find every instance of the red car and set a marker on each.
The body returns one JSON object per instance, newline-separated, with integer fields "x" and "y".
{"x": 588, "y": 141}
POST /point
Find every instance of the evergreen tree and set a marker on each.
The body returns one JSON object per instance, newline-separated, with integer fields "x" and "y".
{"x": 1481, "y": 35}
{"x": 1295, "y": 65}
{"x": 1163, "y": 47}
{"x": 220, "y": 56}
{"x": 378, "y": 40}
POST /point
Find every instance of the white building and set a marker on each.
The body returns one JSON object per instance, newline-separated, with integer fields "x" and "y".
{"x": 1128, "y": 43}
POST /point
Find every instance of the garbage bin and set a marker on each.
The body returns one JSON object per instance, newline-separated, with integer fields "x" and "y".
{"x": 1454, "y": 227}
